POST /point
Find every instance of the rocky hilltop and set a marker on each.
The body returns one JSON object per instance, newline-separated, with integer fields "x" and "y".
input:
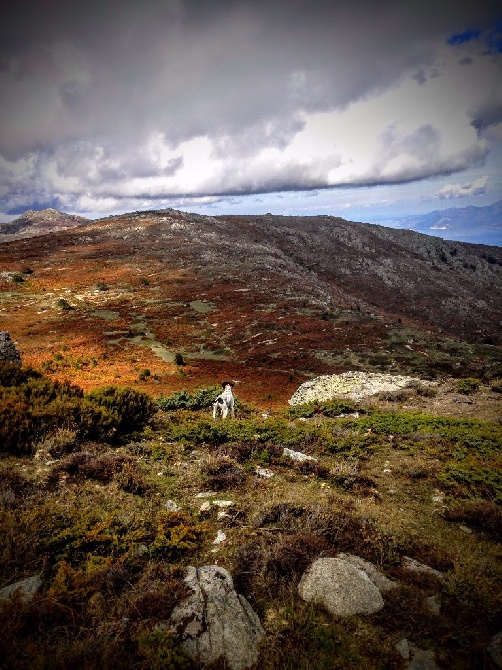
{"x": 33, "y": 223}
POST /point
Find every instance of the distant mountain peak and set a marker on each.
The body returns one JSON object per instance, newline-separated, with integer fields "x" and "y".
{"x": 478, "y": 225}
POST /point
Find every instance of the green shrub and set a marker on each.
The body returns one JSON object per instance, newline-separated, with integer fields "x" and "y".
{"x": 330, "y": 409}
{"x": 17, "y": 278}
{"x": 33, "y": 406}
{"x": 178, "y": 359}
{"x": 496, "y": 386}
{"x": 468, "y": 385}
{"x": 63, "y": 304}
{"x": 201, "y": 399}
{"x": 132, "y": 408}
{"x": 11, "y": 374}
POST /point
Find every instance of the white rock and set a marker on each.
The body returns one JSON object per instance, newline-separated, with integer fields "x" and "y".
{"x": 223, "y": 503}
{"x": 414, "y": 566}
{"x": 26, "y": 589}
{"x": 172, "y": 506}
{"x": 297, "y": 455}
{"x": 403, "y": 648}
{"x": 215, "y": 622}
{"x": 382, "y": 582}
{"x": 220, "y": 537}
{"x": 340, "y": 587}
{"x": 263, "y": 472}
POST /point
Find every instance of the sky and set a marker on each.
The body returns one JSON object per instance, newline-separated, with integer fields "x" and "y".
{"x": 367, "y": 110}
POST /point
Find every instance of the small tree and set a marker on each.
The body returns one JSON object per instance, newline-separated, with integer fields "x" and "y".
{"x": 178, "y": 359}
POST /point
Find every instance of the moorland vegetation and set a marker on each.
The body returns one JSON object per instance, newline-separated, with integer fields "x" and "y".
{"x": 98, "y": 495}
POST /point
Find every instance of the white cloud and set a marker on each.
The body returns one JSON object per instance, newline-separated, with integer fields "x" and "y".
{"x": 171, "y": 99}
{"x": 476, "y": 187}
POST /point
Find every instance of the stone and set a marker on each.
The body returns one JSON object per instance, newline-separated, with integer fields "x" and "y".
{"x": 382, "y": 582}
{"x": 421, "y": 659}
{"x": 341, "y": 588}
{"x": 172, "y": 506}
{"x": 414, "y": 566}
{"x": 297, "y": 455}
{"x": 26, "y": 589}
{"x": 215, "y": 622}
{"x": 8, "y": 350}
{"x": 495, "y": 649}
{"x": 433, "y": 603}
{"x": 354, "y": 385}
{"x": 403, "y": 648}
{"x": 220, "y": 537}
{"x": 264, "y": 472}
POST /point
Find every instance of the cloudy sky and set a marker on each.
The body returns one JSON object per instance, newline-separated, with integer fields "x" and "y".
{"x": 367, "y": 110}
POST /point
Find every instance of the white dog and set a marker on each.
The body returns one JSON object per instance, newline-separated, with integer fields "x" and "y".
{"x": 224, "y": 403}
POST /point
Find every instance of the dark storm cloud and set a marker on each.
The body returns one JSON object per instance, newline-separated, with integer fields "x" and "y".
{"x": 86, "y": 85}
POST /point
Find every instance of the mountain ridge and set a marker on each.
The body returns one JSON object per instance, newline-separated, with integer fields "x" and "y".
{"x": 274, "y": 299}
{"x": 478, "y": 225}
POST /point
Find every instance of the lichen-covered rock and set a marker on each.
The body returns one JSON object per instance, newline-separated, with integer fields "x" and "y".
{"x": 349, "y": 385}
{"x": 8, "y": 350}
{"x": 341, "y": 588}
{"x": 25, "y": 589}
{"x": 215, "y": 622}
{"x": 382, "y": 582}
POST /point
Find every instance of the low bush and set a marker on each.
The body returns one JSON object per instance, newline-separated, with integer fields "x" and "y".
{"x": 103, "y": 468}
{"x": 222, "y": 474}
{"x": 482, "y": 514}
{"x": 33, "y": 406}
{"x": 132, "y": 408}
{"x": 201, "y": 399}
{"x": 329, "y": 409}
{"x": 468, "y": 385}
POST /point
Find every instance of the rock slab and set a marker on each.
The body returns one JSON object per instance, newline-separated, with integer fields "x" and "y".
{"x": 340, "y": 587}
{"x": 25, "y": 589}
{"x": 8, "y": 350}
{"x": 215, "y": 622}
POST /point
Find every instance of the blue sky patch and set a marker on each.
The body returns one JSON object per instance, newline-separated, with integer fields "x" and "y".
{"x": 461, "y": 38}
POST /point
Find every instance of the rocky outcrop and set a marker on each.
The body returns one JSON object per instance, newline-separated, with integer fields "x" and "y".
{"x": 340, "y": 587}
{"x": 350, "y": 385}
{"x": 8, "y": 350}
{"x": 215, "y": 622}
{"x": 24, "y": 589}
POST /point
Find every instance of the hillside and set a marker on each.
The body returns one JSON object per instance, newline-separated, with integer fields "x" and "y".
{"x": 116, "y": 512}
{"x": 268, "y": 301}
{"x": 120, "y": 494}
